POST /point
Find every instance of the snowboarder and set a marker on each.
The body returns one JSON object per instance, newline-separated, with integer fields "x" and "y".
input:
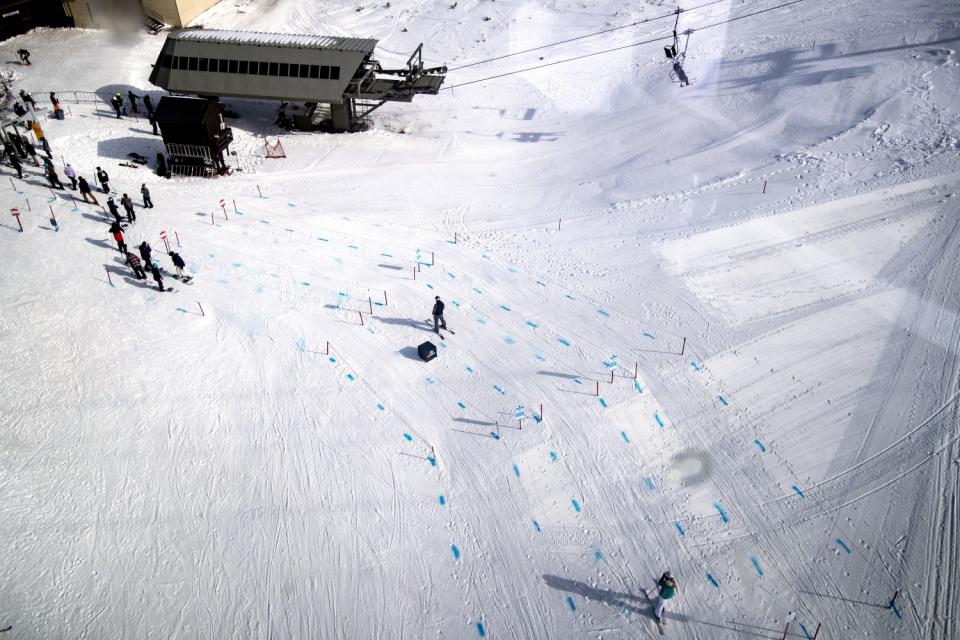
{"x": 15, "y": 163}
{"x": 85, "y": 190}
{"x": 155, "y": 272}
{"x": 72, "y": 174}
{"x": 24, "y": 56}
{"x": 32, "y": 150}
{"x": 136, "y": 265}
{"x": 666, "y": 589}
{"x": 133, "y": 100}
{"x": 117, "y": 103}
{"x": 53, "y": 177}
{"x": 153, "y": 123}
{"x": 147, "y": 202}
{"x": 27, "y": 98}
{"x": 178, "y": 263}
{"x": 438, "y": 321}
{"x": 103, "y": 179}
{"x": 114, "y": 210}
{"x": 46, "y": 146}
{"x": 19, "y": 109}
{"x": 145, "y": 250}
{"x": 118, "y": 236}
{"x": 128, "y": 205}
{"x": 148, "y": 103}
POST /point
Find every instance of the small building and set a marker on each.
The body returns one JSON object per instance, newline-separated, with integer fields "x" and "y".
{"x": 311, "y": 69}
{"x": 194, "y": 135}
{"x": 105, "y": 14}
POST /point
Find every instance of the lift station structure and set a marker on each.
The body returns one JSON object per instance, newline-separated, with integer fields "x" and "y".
{"x": 312, "y": 69}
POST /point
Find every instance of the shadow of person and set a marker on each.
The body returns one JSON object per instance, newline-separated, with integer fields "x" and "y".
{"x": 614, "y": 598}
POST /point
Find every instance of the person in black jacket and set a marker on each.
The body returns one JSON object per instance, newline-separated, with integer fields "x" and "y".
{"x": 53, "y": 177}
{"x": 117, "y": 103}
{"x": 114, "y": 210}
{"x": 85, "y": 190}
{"x": 147, "y": 202}
{"x": 178, "y": 263}
{"x": 438, "y": 321}
{"x": 128, "y": 205}
{"x": 24, "y": 56}
{"x": 15, "y": 163}
{"x": 103, "y": 179}
{"x": 148, "y": 103}
{"x": 155, "y": 272}
{"x": 145, "y": 250}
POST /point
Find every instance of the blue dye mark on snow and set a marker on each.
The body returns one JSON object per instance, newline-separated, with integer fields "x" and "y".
{"x": 455, "y": 550}
{"x": 760, "y": 446}
{"x": 713, "y": 581}
{"x": 290, "y": 204}
{"x": 288, "y": 229}
{"x": 603, "y": 403}
{"x": 623, "y": 434}
{"x": 649, "y": 335}
{"x": 469, "y": 369}
{"x": 511, "y": 270}
{"x": 798, "y": 491}
{"x": 723, "y": 512}
{"x": 597, "y": 554}
{"x": 648, "y": 482}
{"x": 564, "y": 342}
{"x": 451, "y": 275}
{"x": 542, "y": 284}
{"x": 182, "y": 310}
{"x": 508, "y": 340}
{"x": 332, "y": 359}
{"x": 756, "y": 565}
{"x": 429, "y": 286}
{"x": 461, "y": 405}
{"x": 192, "y": 269}
{"x": 486, "y": 257}
{"x": 680, "y": 530}
{"x": 259, "y": 288}
{"x": 451, "y": 242}
{"x": 656, "y": 416}
{"x": 443, "y": 345}
{"x": 532, "y": 325}
{"x": 896, "y": 612}
{"x": 477, "y": 291}
{"x": 536, "y": 526}
{"x": 455, "y": 303}
{"x": 636, "y": 385}
{"x": 499, "y": 390}
{"x": 722, "y": 400}
{"x": 337, "y": 260}
{"x": 516, "y": 471}
{"x": 407, "y": 437}
{"x": 386, "y": 255}
{"x": 576, "y": 505}
{"x": 275, "y": 275}
{"x": 481, "y": 321}
{"x": 569, "y": 297}
{"x": 805, "y": 632}
{"x": 432, "y": 461}
{"x": 275, "y": 241}
{"x": 379, "y": 304}
{"x": 494, "y": 435}
{"x": 301, "y": 345}
{"x": 264, "y": 221}
{"x": 443, "y": 501}
{"x": 322, "y": 239}
{"x": 577, "y": 381}
{"x": 380, "y": 406}
{"x": 236, "y": 265}
{"x": 603, "y": 313}
{"x": 352, "y": 246}
{"x": 351, "y": 377}
{"x": 429, "y": 380}
{"x": 305, "y": 283}
{"x": 553, "y": 456}
{"x": 843, "y": 545}
{"x": 480, "y": 630}
{"x": 210, "y": 255}
{"x": 695, "y": 366}
{"x": 539, "y": 357}
{"x": 505, "y": 307}
{"x": 571, "y": 604}
{"x": 222, "y": 281}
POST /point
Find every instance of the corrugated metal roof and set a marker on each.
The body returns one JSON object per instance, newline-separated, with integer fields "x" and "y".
{"x": 226, "y": 36}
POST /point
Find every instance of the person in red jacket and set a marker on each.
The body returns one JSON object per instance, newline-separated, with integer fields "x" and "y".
{"x": 118, "y": 236}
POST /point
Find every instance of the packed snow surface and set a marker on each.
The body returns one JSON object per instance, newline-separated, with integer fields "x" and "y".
{"x": 712, "y": 329}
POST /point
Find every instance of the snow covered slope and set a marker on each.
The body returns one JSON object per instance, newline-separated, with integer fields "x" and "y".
{"x": 772, "y": 253}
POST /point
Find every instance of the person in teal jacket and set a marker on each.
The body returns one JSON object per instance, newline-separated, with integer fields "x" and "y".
{"x": 666, "y": 589}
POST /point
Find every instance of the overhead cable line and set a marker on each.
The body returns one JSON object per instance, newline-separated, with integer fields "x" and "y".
{"x": 588, "y": 35}
{"x": 627, "y": 46}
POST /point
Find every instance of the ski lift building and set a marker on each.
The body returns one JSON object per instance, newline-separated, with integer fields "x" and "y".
{"x": 194, "y": 135}
{"x": 312, "y": 69}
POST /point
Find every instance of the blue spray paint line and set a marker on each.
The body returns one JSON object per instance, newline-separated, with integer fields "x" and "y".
{"x": 322, "y": 239}
{"x": 443, "y": 500}
{"x": 508, "y": 340}
{"x": 564, "y": 342}
{"x": 451, "y": 275}
{"x": 805, "y": 632}
{"x": 542, "y": 284}
{"x": 192, "y": 269}
{"x": 182, "y": 310}
{"x": 756, "y": 565}
{"x": 623, "y": 434}
{"x": 262, "y": 221}
{"x": 485, "y": 256}
{"x": 494, "y": 435}
{"x": 553, "y": 456}
{"x": 429, "y": 286}
{"x": 429, "y": 380}
{"x": 480, "y": 630}
{"x": 649, "y": 335}
{"x": 332, "y": 359}
{"x": 352, "y": 246}
{"x": 301, "y": 345}
{"x": 455, "y": 550}
{"x": 648, "y": 483}
{"x": 659, "y": 420}
{"x": 598, "y": 555}
{"x": 713, "y": 580}
{"x": 536, "y": 526}
{"x": 432, "y": 461}
{"x": 455, "y": 303}
{"x": 236, "y": 265}
{"x": 571, "y": 604}
{"x": 477, "y": 291}
{"x": 451, "y": 242}
{"x": 576, "y": 505}
{"x": 516, "y": 471}
{"x": 290, "y": 204}
{"x": 843, "y": 545}
{"x": 305, "y": 283}
{"x": 443, "y": 345}
{"x": 481, "y": 321}
{"x": 577, "y": 381}
{"x": 407, "y": 437}
{"x": 569, "y": 297}
{"x": 680, "y": 530}
{"x": 760, "y": 446}
{"x": 461, "y": 405}
{"x": 469, "y": 369}
{"x": 505, "y": 307}
{"x": 351, "y": 377}
{"x": 896, "y": 612}
{"x": 380, "y": 406}
{"x": 532, "y": 325}
{"x": 723, "y": 512}
{"x": 636, "y": 385}
{"x": 603, "y": 313}
{"x": 722, "y": 400}
{"x": 511, "y": 270}
{"x": 337, "y": 259}
{"x": 259, "y": 288}
{"x": 603, "y": 403}
{"x": 499, "y": 390}
{"x": 798, "y": 491}
{"x": 379, "y": 304}
{"x": 288, "y": 229}
{"x": 539, "y": 357}
{"x": 387, "y": 255}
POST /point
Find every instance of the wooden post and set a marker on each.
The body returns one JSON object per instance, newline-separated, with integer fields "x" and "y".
{"x": 611, "y": 376}
{"x": 53, "y": 217}
{"x": 201, "y": 308}
{"x": 384, "y": 297}
{"x": 764, "y": 187}
{"x": 328, "y": 349}
{"x": 893, "y": 599}
{"x": 109, "y": 280}
{"x": 225, "y": 211}
{"x": 454, "y": 237}
{"x": 636, "y": 369}
{"x": 521, "y": 424}
{"x": 559, "y": 220}
{"x": 541, "y": 412}
{"x": 258, "y": 191}
{"x": 29, "y": 208}
{"x": 234, "y": 206}
{"x": 414, "y": 273}
{"x": 12, "y": 186}
{"x": 16, "y": 214}
{"x": 431, "y": 258}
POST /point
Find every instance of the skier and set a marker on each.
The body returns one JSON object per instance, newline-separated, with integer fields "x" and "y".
{"x": 103, "y": 179}
{"x": 53, "y": 177}
{"x": 85, "y": 190}
{"x": 117, "y": 102}
{"x": 70, "y": 173}
{"x": 26, "y": 97}
{"x": 666, "y": 589}
{"x": 32, "y": 151}
{"x": 136, "y": 265}
{"x": 46, "y": 146}
{"x": 438, "y": 321}
{"x": 153, "y": 123}
{"x": 147, "y": 202}
{"x": 148, "y": 103}
{"x": 15, "y": 163}
{"x": 133, "y": 100}
{"x": 155, "y": 272}
{"x": 178, "y": 263}
{"x": 145, "y": 250}
{"x": 114, "y": 210}
{"x": 128, "y": 205}
{"x": 118, "y": 236}
{"x": 24, "y": 56}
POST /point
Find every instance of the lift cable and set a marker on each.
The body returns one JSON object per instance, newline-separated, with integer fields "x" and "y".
{"x": 627, "y": 46}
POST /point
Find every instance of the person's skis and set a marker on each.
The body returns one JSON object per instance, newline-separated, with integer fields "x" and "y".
{"x": 660, "y": 622}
